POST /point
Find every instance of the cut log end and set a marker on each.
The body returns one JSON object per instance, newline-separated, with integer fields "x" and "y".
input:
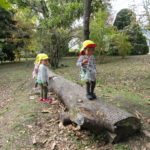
{"x": 126, "y": 128}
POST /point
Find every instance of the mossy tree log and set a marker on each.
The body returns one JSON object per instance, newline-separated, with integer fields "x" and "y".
{"x": 94, "y": 115}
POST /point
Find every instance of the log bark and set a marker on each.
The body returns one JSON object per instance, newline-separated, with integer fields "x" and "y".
{"x": 94, "y": 115}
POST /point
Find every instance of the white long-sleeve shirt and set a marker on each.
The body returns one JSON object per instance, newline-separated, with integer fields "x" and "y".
{"x": 42, "y": 74}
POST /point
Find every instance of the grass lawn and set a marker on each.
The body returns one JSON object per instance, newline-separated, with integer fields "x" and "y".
{"x": 23, "y": 122}
{"x": 123, "y": 82}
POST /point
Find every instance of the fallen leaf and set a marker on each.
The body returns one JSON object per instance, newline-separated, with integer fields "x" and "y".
{"x": 78, "y": 134}
{"x": 45, "y": 111}
{"x": 77, "y": 128}
{"x": 138, "y": 114}
{"x": 70, "y": 127}
{"x": 148, "y": 120}
{"x": 32, "y": 97}
{"x": 50, "y": 93}
{"x": 80, "y": 101}
{"x": 148, "y": 103}
{"x": 61, "y": 126}
{"x": 55, "y": 102}
{"x": 53, "y": 146}
{"x": 44, "y": 141}
{"x": 29, "y": 126}
{"x": 148, "y": 145}
{"x": 34, "y": 140}
{"x": 147, "y": 133}
{"x": 106, "y": 95}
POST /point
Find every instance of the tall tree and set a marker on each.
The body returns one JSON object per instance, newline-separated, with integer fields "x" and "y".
{"x": 7, "y": 27}
{"x": 86, "y": 19}
{"x": 24, "y": 32}
{"x": 124, "y": 18}
{"x": 54, "y": 28}
{"x": 101, "y": 33}
{"x": 126, "y": 22}
{"x": 137, "y": 40}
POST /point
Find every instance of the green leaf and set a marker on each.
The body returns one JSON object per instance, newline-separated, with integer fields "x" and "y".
{"x": 5, "y": 4}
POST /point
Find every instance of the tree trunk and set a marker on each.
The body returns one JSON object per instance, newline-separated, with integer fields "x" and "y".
{"x": 44, "y": 9}
{"x": 87, "y": 13}
{"x": 94, "y": 115}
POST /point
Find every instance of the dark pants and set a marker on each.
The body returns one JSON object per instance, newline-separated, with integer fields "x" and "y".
{"x": 36, "y": 84}
{"x": 90, "y": 86}
{"x": 44, "y": 91}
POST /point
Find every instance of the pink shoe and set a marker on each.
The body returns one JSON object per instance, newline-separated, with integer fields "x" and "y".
{"x": 48, "y": 101}
{"x": 41, "y": 99}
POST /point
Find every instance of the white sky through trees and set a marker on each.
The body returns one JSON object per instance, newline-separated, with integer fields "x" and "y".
{"x": 117, "y": 5}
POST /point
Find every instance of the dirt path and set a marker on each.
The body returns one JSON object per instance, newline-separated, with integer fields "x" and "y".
{"x": 28, "y": 124}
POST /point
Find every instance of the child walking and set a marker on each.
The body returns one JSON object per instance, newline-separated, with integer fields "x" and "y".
{"x": 42, "y": 78}
{"x": 88, "y": 72}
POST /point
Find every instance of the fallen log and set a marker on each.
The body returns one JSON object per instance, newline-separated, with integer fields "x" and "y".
{"x": 94, "y": 115}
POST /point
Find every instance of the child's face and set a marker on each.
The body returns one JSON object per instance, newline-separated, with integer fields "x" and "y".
{"x": 89, "y": 51}
{"x": 45, "y": 62}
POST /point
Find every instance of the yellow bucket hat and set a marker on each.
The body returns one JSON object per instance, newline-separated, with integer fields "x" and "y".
{"x": 37, "y": 58}
{"x": 88, "y": 44}
{"x": 43, "y": 57}
{"x": 40, "y": 57}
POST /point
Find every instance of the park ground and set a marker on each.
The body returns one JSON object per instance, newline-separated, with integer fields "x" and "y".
{"x": 27, "y": 124}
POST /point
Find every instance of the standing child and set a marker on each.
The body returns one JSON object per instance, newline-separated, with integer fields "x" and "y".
{"x": 88, "y": 68}
{"x": 35, "y": 70}
{"x": 42, "y": 78}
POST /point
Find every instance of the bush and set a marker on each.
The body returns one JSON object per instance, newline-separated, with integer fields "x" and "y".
{"x": 137, "y": 40}
{"x": 6, "y": 27}
{"x": 74, "y": 53}
{"x": 120, "y": 45}
{"x": 124, "y": 18}
{"x": 124, "y": 46}
{"x": 126, "y": 22}
{"x": 101, "y": 33}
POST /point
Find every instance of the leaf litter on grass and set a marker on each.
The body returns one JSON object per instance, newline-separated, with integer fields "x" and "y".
{"x": 30, "y": 129}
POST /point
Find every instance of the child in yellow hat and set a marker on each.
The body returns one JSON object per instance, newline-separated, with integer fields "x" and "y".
{"x": 35, "y": 70}
{"x": 86, "y": 61}
{"x": 42, "y": 78}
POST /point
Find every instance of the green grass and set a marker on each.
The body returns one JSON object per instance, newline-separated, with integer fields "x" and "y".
{"x": 24, "y": 109}
{"x": 122, "y": 147}
{"x": 3, "y": 112}
{"x": 120, "y": 82}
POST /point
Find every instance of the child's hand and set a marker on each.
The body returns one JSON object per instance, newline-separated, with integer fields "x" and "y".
{"x": 85, "y": 61}
{"x": 44, "y": 84}
{"x": 36, "y": 70}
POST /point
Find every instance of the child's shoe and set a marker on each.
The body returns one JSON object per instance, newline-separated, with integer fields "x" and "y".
{"x": 94, "y": 96}
{"x": 89, "y": 96}
{"x": 48, "y": 101}
{"x": 41, "y": 99}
